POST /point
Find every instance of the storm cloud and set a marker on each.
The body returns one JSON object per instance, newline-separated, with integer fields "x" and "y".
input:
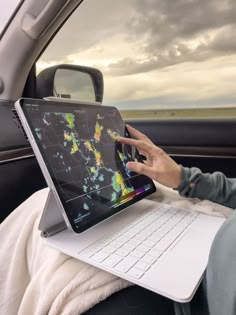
{"x": 168, "y": 21}
{"x": 179, "y": 31}
{"x": 182, "y": 51}
{"x": 91, "y": 24}
{"x": 165, "y": 32}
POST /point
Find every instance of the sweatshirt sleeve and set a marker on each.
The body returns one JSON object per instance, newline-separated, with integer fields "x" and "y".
{"x": 215, "y": 187}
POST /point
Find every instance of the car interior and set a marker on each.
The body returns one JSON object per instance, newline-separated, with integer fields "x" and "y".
{"x": 206, "y": 142}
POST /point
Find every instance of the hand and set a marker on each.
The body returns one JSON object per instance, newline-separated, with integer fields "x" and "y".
{"x": 158, "y": 165}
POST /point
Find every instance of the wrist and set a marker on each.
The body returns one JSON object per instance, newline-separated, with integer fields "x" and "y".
{"x": 183, "y": 178}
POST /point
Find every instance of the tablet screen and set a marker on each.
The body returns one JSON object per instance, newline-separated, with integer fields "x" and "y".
{"x": 86, "y": 163}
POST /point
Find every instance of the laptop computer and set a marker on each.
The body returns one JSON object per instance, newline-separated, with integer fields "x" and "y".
{"x": 98, "y": 211}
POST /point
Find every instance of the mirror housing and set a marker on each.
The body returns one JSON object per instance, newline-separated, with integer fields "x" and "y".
{"x": 70, "y": 81}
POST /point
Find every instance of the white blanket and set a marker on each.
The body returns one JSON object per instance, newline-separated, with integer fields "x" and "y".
{"x": 38, "y": 280}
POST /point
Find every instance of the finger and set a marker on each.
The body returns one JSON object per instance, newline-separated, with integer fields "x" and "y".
{"x": 140, "y": 168}
{"x": 141, "y": 152}
{"x": 146, "y": 148}
{"x": 137, "y": 134}
{"x": 147, "y": 162}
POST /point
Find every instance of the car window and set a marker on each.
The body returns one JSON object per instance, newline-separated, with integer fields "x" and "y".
{"x": 7, "y": 9}
{"x": 159, "y": 58}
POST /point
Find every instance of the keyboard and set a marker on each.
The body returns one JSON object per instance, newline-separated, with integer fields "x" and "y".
{"x": 137, "y": 246}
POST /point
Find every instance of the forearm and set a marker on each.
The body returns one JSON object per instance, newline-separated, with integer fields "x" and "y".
{"x": 215, "y": 187}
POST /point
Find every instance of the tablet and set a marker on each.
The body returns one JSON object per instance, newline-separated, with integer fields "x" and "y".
{"x": 76, "y": 144}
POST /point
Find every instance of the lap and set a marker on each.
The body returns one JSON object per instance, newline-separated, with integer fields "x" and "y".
{"x": 133, "y": 300}
{"x": 221, "y": 270}
{"x": 139, "y": 301}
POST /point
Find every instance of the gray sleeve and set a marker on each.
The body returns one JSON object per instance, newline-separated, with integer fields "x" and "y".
{"x": 215, "y": 187}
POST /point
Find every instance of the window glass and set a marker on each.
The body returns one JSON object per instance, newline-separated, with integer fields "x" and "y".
{"x": 73, "y": 84}
{"x": 158, "y": 57}
{"x": 7, "y": 8}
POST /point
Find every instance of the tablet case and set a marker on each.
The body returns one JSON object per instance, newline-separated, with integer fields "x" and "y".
{"x": 52, "y": 220}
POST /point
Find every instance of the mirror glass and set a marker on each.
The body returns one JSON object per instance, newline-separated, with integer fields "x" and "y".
{"x": 73, "y": 84}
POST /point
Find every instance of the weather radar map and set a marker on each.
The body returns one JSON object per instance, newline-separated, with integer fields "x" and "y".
{"x": 86, "y": 162}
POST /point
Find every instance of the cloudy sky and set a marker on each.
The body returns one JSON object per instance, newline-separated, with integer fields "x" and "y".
{"x": 154, "y": 52}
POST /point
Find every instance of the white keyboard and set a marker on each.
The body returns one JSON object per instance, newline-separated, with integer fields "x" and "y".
{"x": 141, "y": 243}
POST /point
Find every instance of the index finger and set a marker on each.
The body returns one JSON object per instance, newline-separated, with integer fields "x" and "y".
{"x": 139, "y": 144}
{"x": 137, "y": 134}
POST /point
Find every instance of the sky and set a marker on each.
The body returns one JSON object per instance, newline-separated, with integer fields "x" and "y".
{"x": 154, "y": 53}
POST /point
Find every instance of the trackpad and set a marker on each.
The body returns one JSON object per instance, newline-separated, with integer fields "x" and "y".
{"x": 180, "y": 269}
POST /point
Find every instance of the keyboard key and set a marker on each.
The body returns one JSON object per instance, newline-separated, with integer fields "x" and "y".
{"x": 166, "y": 228}
{"x": 173, "y": 210}
{"x": 134, "y": 230}
{"x": 152, "y": 228}
{"x": 148, "y": 243}
{"x": 145, "y": 233}
{"x": 148, "y": 259}
{"x": 137, "y": 253}
{"x": 142, "y": 225}
{"x": 183, "y": 212}
{"x": 168, "y": 240}
{"x": 128, "y": 247}
{"x": 96, "y": 246}
{"x": 122, "y": 252}
{"x": 92, "y": 249}
{"x": 148, "y": 220}
{"x": 154, "y": 238}
{"x": 193, "y": 214}
{"x": 140, "y": 237}
{"x": 128, "y": 235}
{"x": 100, "y": 256}
{"x": 108, "y": 249}
{"x": 116, "y": 244}
{"x": 112, "y": 260}
{"x": 166, "y": 216}
{"x": 87, "y": 253}
{"x": 142, "y": 266}
{"x": 126, "y": 264}
{"x": 134, "y": 242}
{"x": 159, "y": 233}
{"x": 163, "y": 245}
{"x": 170, "y": 224}
{"x": 155, "y": 253}
{"x": 174, "y": 220}
{"x": 136, "y": 273}
{"x": 143, "y": 248}
{"x": 164, "y": 208}
{"x": 160, "y": 221}
{"x": 183, "y": 223}
{"x": 108, "y": 239}
{"x": 122, "y": 239}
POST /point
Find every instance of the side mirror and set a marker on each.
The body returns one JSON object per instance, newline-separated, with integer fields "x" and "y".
{"x": 70, "y": 81}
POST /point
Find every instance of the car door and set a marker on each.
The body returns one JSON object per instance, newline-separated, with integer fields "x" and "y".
{"x": 25, "y": 29}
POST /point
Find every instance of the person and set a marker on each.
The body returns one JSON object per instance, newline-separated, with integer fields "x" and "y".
{"x": 220, "y": 278}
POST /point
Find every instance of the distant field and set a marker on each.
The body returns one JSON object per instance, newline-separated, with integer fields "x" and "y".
{"x": 180, "y": 113}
